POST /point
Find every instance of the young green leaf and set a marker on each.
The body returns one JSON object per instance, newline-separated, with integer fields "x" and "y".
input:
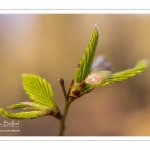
{"x": 84, "y": 66}
{"x": 25, "y": 115}
{"x": 39, "y": 90}
{"x": 28, "y": 105}
{"x": 124, "y": 75}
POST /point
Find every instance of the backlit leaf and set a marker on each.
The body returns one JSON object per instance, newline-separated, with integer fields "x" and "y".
{"x": 39, "y": 90}
{"x": 84, "y": 66}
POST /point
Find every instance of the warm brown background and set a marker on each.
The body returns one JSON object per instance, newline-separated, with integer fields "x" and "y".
{"x": 52, "y": 45}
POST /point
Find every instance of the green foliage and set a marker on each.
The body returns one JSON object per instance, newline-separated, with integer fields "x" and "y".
{"x": 28, "y": 105}
{"x": 124, "y": 75}
{"x": 39, "y": 90}
{"x": 88, "y": 88}
{"x": 24, "y": 115}
{"x": 84, "y": 66}
{"x": 41, "y": 93}
{"x": 16, "y": 106}
{"x": 85, "y": 80}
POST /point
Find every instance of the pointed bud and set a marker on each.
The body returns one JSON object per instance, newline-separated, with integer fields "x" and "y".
{"x": 96, "y": 78}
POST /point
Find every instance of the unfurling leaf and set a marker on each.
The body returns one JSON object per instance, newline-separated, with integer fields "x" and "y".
{"x": 28, "y": 105}
{"x": 78, "y": 86}
{"x": 92, "y": 81}
{"x": 103, "y": 78}
{"x": 96, "y": 78}
{"x": 124, "y": 75}
{"x": 25, "y": 115}
{"x": 39, "y": 90}
{"x": 84, "y": 66}
{"x": 43, "y": 103}
{"x": 41, "y": 110}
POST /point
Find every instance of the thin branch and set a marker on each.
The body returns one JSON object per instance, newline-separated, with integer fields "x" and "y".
{"x": 62, "y": 121}
{"x": 66, "y": 108}
{"x": 61, "y": 81}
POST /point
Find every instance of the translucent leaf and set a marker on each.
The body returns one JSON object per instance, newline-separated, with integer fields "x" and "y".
{"x": 25, "y": 115}
{"x": 39, "y": 90}
{"x": 28, "y": 105}
{"x": 84, "y": 66}
{"x": 124, "y": 75}
{"x": 100, "y": 63}
{"x": 95, "y": 78}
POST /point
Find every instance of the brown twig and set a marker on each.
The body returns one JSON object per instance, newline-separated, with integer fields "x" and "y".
{"x": 66, "y": 108}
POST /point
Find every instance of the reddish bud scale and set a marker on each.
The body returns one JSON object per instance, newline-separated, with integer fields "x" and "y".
{"x": 76, "y": 90}
{"x": 71, "y": 98}
{"x": 82, "y": 84}
{"x": 72, "y": 82}
{"x": 76, "y": 93}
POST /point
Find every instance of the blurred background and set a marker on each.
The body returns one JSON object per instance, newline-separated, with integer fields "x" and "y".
{"x": 52, "y": 45}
